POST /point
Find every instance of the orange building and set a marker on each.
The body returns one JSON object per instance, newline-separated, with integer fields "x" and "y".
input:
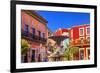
{"x": 35, "y": 31}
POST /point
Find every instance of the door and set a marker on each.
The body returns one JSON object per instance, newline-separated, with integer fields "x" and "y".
{"x": 25, "y": 58}
{"x": 81, "y": 54}
{"x": 33, "y": 56}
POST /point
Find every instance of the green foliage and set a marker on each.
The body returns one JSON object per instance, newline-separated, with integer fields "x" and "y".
{"x": 68, "y": 53}
{"x": 53, "y": 49}
{"x": 24, "y": 46}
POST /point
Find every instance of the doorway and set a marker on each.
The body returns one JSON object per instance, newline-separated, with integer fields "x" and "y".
{"x": 33, "y": 56}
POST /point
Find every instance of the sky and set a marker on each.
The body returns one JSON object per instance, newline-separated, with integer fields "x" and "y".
{"x": 62, "y": 20}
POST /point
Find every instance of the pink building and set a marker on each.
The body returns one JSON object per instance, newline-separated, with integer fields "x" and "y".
{"x": 35, "y": 31}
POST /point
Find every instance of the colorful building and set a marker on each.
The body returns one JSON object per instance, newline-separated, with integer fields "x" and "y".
{"x": 63, "y": 32}
{"x": 61, "y": 42}
{"x": 35, "y": 31}
{"x": 80, "y": 37}
{"x": 37, "y": 34}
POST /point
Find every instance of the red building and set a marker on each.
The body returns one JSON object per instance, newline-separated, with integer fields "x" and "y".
{"x": 62, "y": 32}
{"x": 80, "y": 37}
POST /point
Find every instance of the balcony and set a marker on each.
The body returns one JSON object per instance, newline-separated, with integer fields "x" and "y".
{"x": 80, "y": 43}
{"x": 32, "y": 37}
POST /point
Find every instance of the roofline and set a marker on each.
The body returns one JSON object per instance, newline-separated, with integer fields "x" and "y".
{"x": 80, "y": 25}
{"x": 35, "y": 15}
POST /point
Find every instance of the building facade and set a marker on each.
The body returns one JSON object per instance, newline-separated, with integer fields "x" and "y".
{"x": 63, "y": 32}
{"x": 80, "y": 37}
{"x": 35, "y": 31}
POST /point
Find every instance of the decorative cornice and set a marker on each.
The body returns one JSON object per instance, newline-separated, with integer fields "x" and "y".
{"x": 35, "y": 15}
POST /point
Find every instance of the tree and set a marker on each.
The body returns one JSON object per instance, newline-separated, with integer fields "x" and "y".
{"x": 24, "y": 46}
{"x": 68, "y": 53}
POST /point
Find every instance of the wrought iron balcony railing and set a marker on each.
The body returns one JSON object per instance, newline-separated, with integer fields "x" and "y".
{"x": 80, "y": 43}
{"x": 33, "y": 37}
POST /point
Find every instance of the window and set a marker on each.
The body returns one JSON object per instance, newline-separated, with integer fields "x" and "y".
{"x": 88, "y": 39}
{"x": 82, "y": 54}
{"x": 26, "y": 29}
{"x": 43, "y": 35}
{"x": 33, "y": 32}
{"x": 81, "y": 31}
{"x": 81, "y": 40}
{"x": 39, "y": 34}
{"x": 88, "y": 31}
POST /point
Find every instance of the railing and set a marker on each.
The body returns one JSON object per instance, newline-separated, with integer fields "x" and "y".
{"x": 78, "y": 42}
{"x": 33, "y": 37}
